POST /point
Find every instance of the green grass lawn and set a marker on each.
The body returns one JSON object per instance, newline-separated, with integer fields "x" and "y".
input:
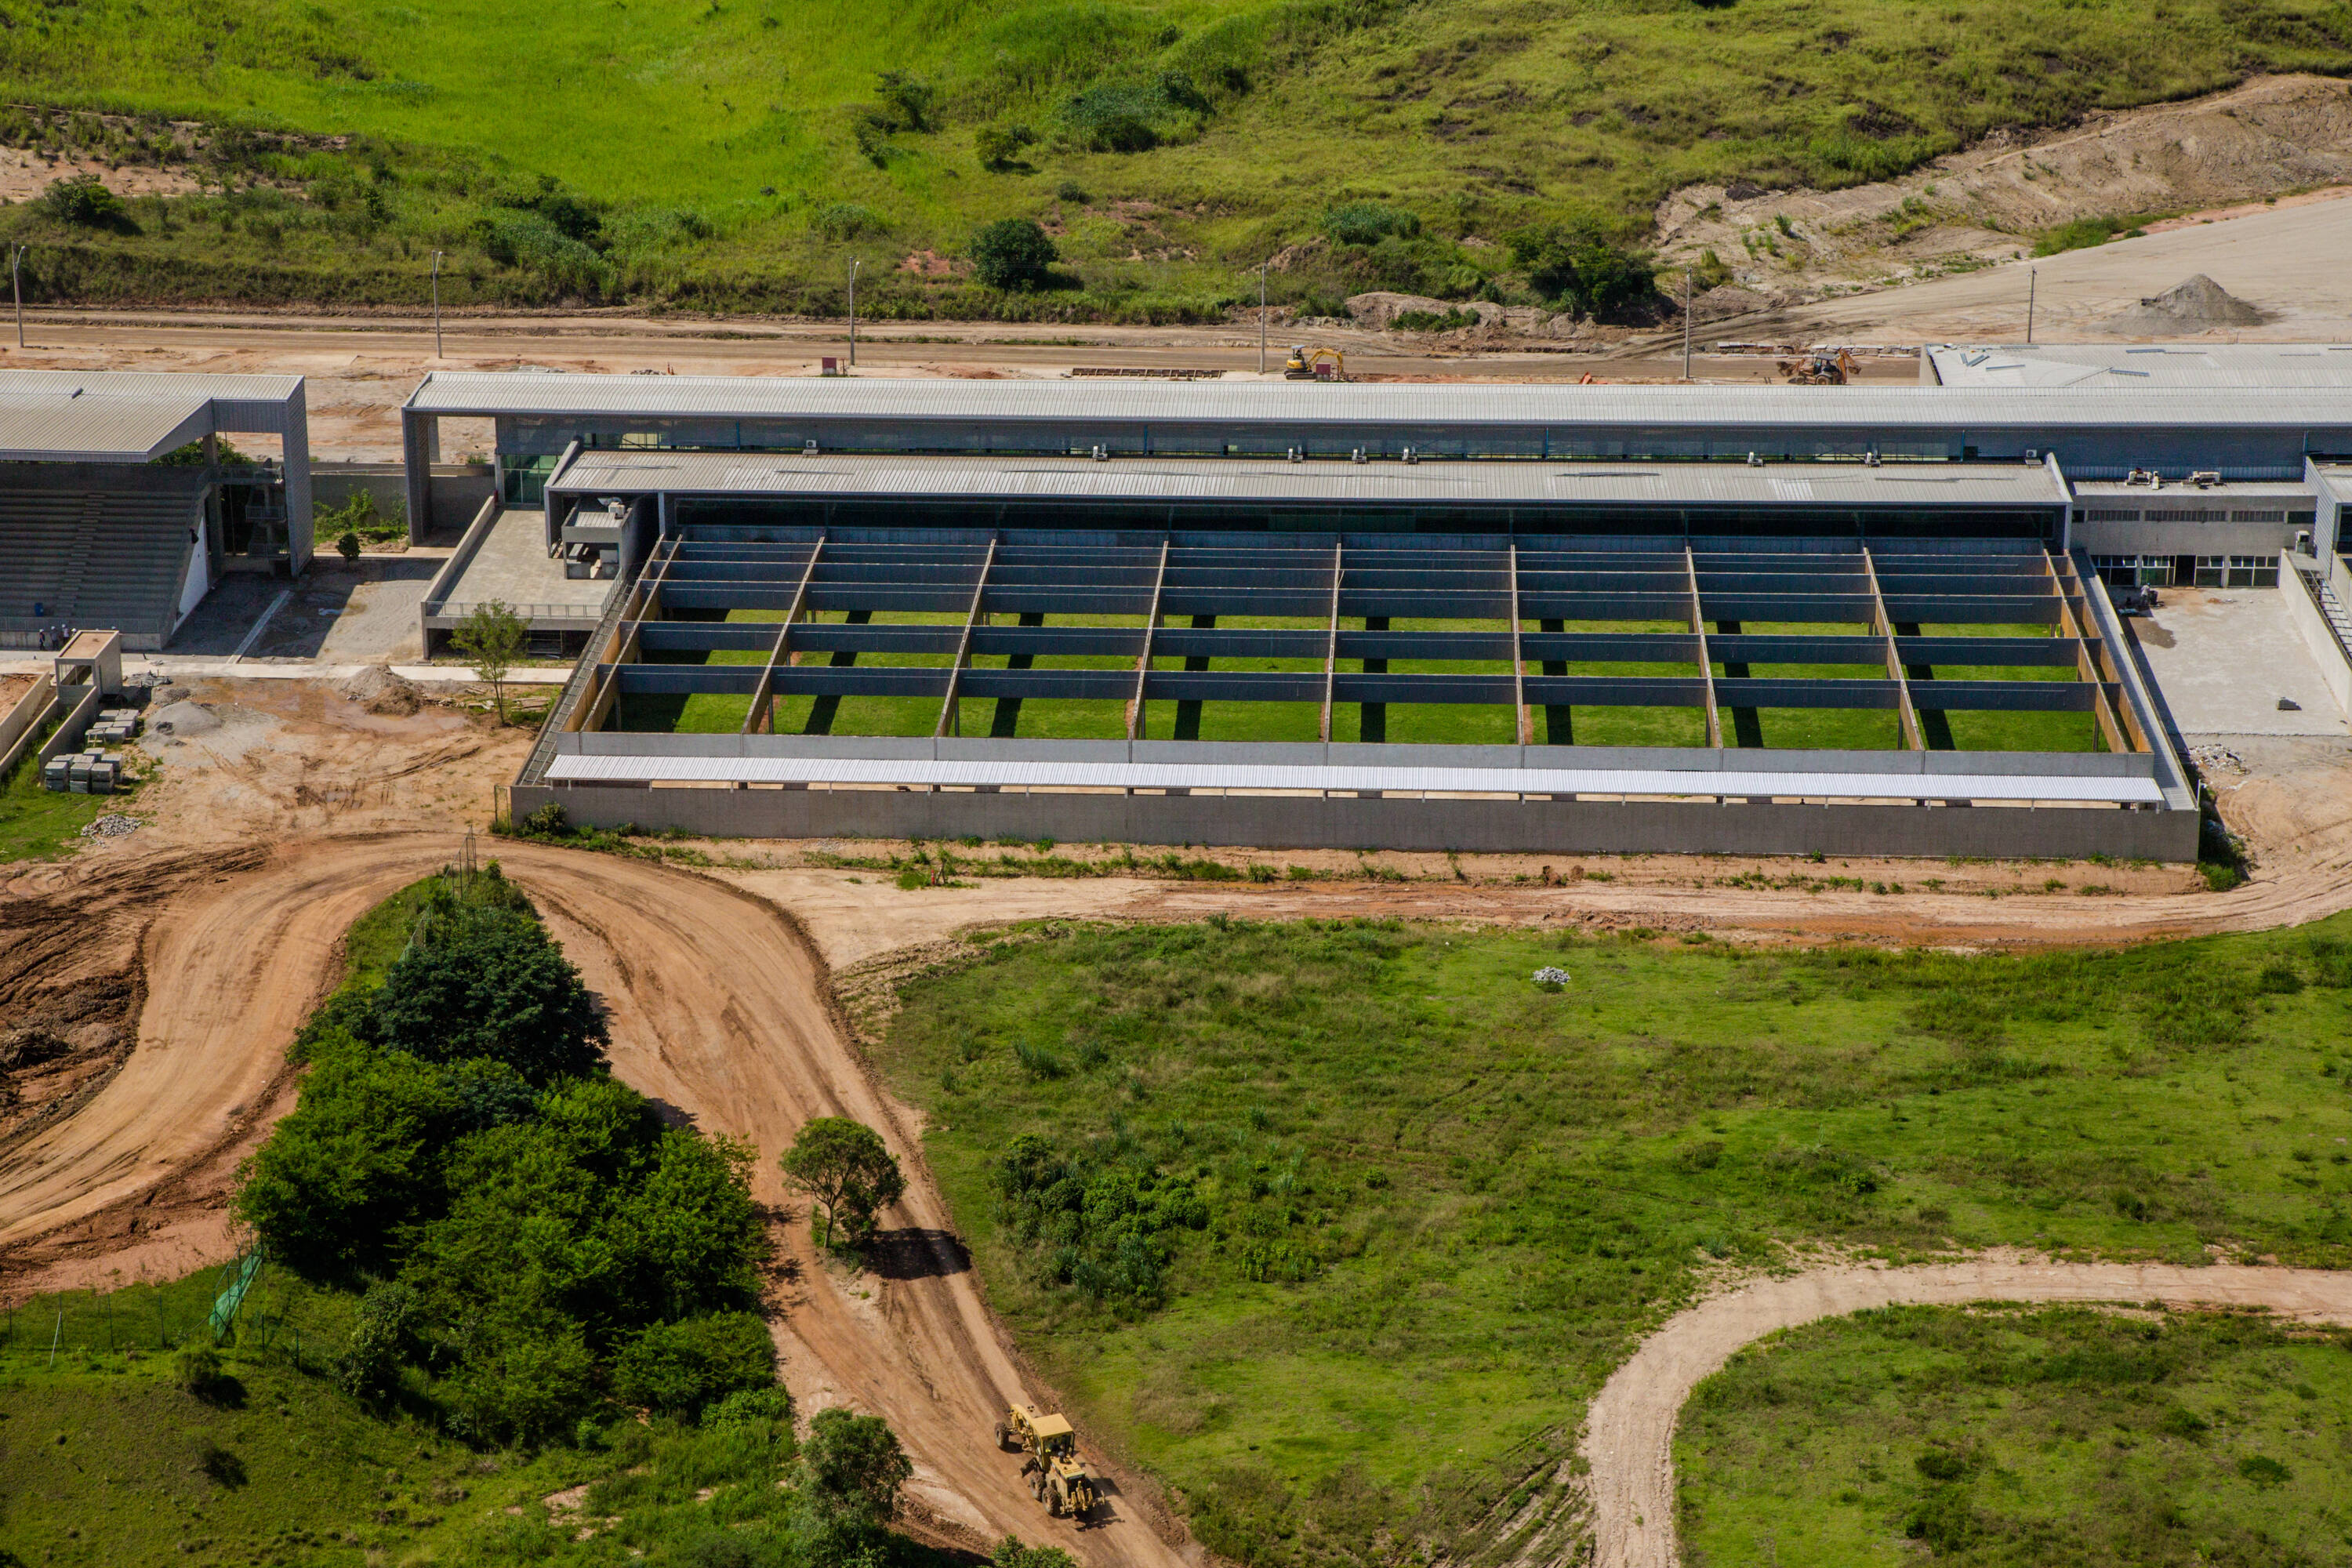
{"x": 38, "y": 824}
{"x": 734, "y": 152}
{"x": 2014, "y": 1435}
{"x": 1440, "y": 1204}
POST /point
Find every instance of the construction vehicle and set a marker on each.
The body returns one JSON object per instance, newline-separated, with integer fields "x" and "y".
{"x": 1057, "y": 1476}
{"x": 1817, "y": 369}
{"x": 1307, "y": 364}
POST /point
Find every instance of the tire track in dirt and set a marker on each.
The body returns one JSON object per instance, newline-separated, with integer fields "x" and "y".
{"x": 719, "y": 1010}
{"x": 1629, "y": 1430}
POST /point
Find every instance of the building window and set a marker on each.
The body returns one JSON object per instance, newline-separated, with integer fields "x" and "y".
{"x": 2254, "y": 572}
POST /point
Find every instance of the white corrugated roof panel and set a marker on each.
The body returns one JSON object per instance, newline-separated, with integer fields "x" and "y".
{"x": 600, "y": 473}
{"x": 2121, "y": 366}
{"x": 1080, "y": 404}
{"x": 575, "y": 768}
{"x": 59, "y": 426}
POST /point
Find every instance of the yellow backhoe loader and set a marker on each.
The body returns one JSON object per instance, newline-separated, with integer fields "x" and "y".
{"x": 1307, "y": 364}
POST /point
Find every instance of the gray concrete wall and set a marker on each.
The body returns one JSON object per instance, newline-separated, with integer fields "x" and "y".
{"x": 458, "y": 488}
{"x": 2187, "y": 538}
{"x": 1468, "y": 825}
{"x": 2326, "y": 652}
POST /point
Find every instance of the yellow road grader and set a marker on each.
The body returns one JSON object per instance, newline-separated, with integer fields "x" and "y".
{"x": 1057, "y": 1476}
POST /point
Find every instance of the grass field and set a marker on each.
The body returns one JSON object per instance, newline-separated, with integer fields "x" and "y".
{"x": 37, "y": 824}
{"x": 1400, "y": 723}
{"x": 1437, "y": 1203}
{"x": 2021, "y": 1436}
{"x": 738, "y": 152}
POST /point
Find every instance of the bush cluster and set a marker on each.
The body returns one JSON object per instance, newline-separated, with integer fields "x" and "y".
{"x": 1105, "y": 1229}
{"x": 540, "y": 1242}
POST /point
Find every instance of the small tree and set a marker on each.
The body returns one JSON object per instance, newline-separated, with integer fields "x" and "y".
{"x": 998, "y": 145}
{"x": 347, "y": 545}
{"x": 1012, "y": 254}
{"x": 854, "y": 1469}
{"x": 493, "y": 636}
{"x": 847, "y": 1169}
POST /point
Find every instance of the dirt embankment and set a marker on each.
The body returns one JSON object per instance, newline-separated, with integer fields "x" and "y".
{"x": 1630, "y": 1426}
{"x": 2269, "y": 137}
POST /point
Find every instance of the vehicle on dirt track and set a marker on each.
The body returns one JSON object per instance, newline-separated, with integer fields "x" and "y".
{"x": 1057, "y": 1476}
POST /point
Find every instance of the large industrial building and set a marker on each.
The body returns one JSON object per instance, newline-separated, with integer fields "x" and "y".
{"x": 1466, "y": 616}
{"x": 117, "y": 509}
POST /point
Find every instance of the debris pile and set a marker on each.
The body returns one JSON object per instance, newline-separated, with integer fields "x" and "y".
{"x": 379, "y": 690}
{"x": 113, "y": 825}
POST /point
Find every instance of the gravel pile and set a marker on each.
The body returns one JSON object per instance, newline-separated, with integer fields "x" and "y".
{"x": 113, "y": 825}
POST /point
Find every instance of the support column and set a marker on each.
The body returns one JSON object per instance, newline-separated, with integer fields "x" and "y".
{"x": 1906, "y": 717}
{"x": 2121, "y": 729}
{"x": 418, "y": 433}
{"x": 951, "y": 707}
{"x": 1188, "y": 709}
{"x": 1143, "y": 659}
{"x": 1372, "y": 717}
{"x": 1747, "y": 730}
{"x": 1331, "y": 643}
{"x": 1705, "y": 662}
{"x": 760, "y": 719}
{"x": 1560, "y": 719}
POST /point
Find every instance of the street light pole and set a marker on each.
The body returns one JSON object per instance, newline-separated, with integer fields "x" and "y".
{"x": 17, "y": 288}
{"x": 1686, "y": 305}
{"x": 1261, "y": 317}
{"x": 437, "y": 303}
{"x": 2030, "y": 280}
{"x": 853, "y": 264}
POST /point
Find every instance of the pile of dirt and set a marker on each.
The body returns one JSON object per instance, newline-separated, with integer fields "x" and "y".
{"x": 2199, "y": 305}
{"x": 180, "y": 719}
{"x": 379, "y": 691}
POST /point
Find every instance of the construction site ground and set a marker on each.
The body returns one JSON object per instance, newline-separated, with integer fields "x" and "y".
{"x": 177, "y": 961}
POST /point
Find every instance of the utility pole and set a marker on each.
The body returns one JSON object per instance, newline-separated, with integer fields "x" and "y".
{"x": 854, "y": 265}
{"x": 2030, "y": 281}
{"x": 1686, "y": 305}
{"x": 437, "y": 303}
{"x": 17, "y": 288}
{"x": 1261, "y": 317}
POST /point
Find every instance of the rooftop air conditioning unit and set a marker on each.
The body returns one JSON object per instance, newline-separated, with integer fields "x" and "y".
{"x": 2205, "y": 479}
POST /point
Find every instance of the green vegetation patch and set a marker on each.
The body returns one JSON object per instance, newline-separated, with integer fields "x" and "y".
{"x": 40, "y": 823}
{"x": 1995, "y": 1435}
{"x": 1338, "y": 1226}
{"x": 1167, "y": 146}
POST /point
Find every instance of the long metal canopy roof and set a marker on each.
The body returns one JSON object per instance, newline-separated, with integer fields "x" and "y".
{"x": 1079, "y": 402}
{"x": 1471, "y": 482}
{"x": 106, "y": 416}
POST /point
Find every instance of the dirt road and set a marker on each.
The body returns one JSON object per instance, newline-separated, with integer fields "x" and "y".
{"x": 719, "y": 1011}
{"x": 1629, "y": 1427}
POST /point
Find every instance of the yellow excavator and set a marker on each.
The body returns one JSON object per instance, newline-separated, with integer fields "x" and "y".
{"x": 1057, "y": 1476}
{"x": 1818, "y": 369}
{"x": 1305, "y": 364}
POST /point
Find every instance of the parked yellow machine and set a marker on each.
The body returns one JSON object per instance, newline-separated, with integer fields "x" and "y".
{"x": 1057, "y": 1476}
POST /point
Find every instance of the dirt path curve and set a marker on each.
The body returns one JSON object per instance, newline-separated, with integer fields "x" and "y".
{"x": 719, "y": 1011}
{"x": 1630, "y": 1430}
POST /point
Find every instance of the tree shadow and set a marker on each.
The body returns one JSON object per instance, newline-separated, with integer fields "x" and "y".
{"x": 916, "y": 1254}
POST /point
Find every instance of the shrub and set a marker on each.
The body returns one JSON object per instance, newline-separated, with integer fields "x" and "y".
{"x": 1106, "y": 1229}
{"x": 750, "y": 1409}
{"x": 381, "y": 1339}
{"x": 908, "y": 102}
{"x": 1578, "y": 267}
{"x": 1013, "y": 253}
{"x": 853, "y": 1468}
{"x": 847, "y": 220}
{"x": 347, "y": 545}
{"x": 84, "y": 201}
{"x": 548, "y": 821}
{"x": 681, "y": 1368}
{"x": 1368, "y": 223}
{"x": 492, "y": 985}
{"x": 197, "y": 1370}
{"x": 2263, "y": 1470}
{"x": 998, "y": 145}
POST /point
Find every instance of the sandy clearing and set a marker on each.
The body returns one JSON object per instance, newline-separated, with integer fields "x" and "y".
{"x": 1629, "y": 1427}
{"x": 720, "y": 1011}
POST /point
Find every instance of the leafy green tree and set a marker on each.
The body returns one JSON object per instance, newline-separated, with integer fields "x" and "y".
{"x": 1579, "y": 267}
{"x": 999, "y": 145}
{"x": 494, "y": 984}
{"x": 84, "y": 201}
{"x": 852, "y": 1468}
{"x": 492, "y": 637}
{"x": 1013, "y": 253}
{"x": 1011, "y": 1554}
{"x": 847, "y": 1169}
{"x": 679, "y": 1368}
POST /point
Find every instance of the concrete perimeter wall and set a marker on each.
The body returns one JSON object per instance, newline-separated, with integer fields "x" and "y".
{"x": 1277, "y": 822}
{"x": 458, "y": 488}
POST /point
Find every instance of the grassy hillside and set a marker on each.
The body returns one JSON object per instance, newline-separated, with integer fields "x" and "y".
{"x": 2013, "y": 1435}
{"x": 1337, "y": 1228}
{"x": 738, "y": 150}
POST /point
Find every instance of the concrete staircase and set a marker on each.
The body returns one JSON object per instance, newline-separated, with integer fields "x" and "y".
{"x": 2338, "y": 617}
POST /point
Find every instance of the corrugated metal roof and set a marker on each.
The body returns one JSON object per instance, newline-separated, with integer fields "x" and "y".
{"x": 1272, "y": 479}
{"x": 1081, "y": 404}
{"x": 150, "y": 383}
{"x": 58, "y": 427}
{"x": 573, "y": 767}
{"x": 2093, "y": 366}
